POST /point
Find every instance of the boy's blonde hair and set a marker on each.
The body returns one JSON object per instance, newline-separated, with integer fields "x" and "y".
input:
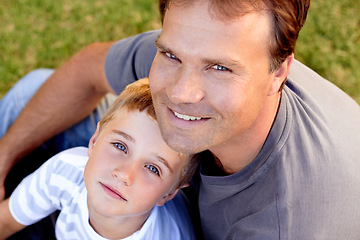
{"x": 137, "y": 97}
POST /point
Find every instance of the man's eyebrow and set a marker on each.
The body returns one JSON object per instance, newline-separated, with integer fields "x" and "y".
{"x": 228, "y": 62}
{"x": 161, "y": 46}
{"x": 125, "y": 135}
{"x": 166, "y": 163}
{"x": 157, "y": 42}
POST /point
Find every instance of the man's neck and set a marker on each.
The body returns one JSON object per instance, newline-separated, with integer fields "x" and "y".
{"x": 236, "y": 154}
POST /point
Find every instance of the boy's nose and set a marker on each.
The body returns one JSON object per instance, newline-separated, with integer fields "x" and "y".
{"x": 124, "y": 174}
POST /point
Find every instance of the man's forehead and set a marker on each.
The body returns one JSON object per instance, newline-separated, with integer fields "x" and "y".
{"x": 199, "y": 20}
{"x": 221, "y": 10}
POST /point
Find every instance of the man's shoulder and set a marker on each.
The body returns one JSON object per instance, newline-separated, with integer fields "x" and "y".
{"x": 320, "y": 110}
{"x": 130, "y": 59}
{"x": 321, "y": 148}
{"x": 310, "y": 86}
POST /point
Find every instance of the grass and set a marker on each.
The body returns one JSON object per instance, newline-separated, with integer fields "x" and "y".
{"x": 329, "y": 43}
{"x": 37, "y": 33}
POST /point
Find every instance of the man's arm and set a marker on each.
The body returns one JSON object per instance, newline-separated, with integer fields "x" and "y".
{"x": 8, "y": 225}
{"x": 68, "y": 96}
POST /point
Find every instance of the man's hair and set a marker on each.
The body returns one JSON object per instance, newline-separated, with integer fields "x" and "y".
{"x": 288, "y": 18}
{"x": 137, "y": 97}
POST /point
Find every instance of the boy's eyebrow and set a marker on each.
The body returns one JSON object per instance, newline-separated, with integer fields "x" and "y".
{"x": 125, "y": 135}
{"x": 163, "y": 161}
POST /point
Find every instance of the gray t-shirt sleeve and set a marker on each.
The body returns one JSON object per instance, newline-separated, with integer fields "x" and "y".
{"x": 130, "y": 59}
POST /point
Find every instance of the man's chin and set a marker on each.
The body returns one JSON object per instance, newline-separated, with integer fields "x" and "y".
{"x": 184, "y": 145}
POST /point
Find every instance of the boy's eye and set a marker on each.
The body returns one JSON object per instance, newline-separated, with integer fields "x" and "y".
{"x": 153, "y": 169}
{"x": 120, "y": 146}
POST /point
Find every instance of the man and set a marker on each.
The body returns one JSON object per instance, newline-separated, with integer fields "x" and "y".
{"x": 283, "y": 160}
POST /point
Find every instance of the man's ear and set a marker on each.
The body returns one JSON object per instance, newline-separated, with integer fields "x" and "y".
{"x": 93, "y": 140}
{"x": 281, "y": 74}
{"x": 170, "y": 195}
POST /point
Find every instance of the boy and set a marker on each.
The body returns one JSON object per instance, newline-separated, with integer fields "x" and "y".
{"x": 122, "y": 178}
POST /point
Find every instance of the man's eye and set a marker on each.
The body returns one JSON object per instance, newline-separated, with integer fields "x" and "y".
{"x": 169, "y": 55}
{"x": 153, "y": 169}
{"x": 120, "y": 146}
{"x": 219, "y": 68}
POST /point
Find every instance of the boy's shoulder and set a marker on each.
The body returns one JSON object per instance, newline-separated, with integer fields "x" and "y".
{"x": 170, "y": 221}
{"x": 76, "y": 157}
{"x": 68, "y": 163}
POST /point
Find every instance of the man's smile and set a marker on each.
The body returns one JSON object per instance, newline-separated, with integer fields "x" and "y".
{"x": 186, "y": 117}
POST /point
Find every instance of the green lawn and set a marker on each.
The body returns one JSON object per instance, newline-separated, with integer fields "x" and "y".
{"x": 37, "y": 33}
{"x": 330, "y": 43}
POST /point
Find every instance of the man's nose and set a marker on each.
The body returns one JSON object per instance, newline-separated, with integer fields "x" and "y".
{"x": 186, "y": 87}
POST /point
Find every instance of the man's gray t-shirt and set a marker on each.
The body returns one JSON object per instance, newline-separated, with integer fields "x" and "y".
{"x": 305, "y": 182}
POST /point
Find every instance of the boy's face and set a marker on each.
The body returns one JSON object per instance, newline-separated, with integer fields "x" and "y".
{"x": 130, "y": 167}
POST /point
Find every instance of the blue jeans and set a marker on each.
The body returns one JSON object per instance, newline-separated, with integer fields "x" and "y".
{"x": 79, "y": 135}
{"x": 15, "y": 100}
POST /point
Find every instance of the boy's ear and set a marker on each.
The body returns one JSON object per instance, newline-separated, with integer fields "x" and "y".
{"x": 93, "y": 140}
{"x": 281, "y": 74}
{"x": 167, "y": 197}
{"x": 170, "y": 195}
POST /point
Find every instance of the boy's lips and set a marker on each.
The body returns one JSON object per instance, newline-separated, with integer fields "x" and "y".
{"x": 112, "y": 192}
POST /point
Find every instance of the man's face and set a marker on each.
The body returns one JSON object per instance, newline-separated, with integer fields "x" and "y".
{"x": 210, "y": 79}
{"x": 130, "y": 167}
